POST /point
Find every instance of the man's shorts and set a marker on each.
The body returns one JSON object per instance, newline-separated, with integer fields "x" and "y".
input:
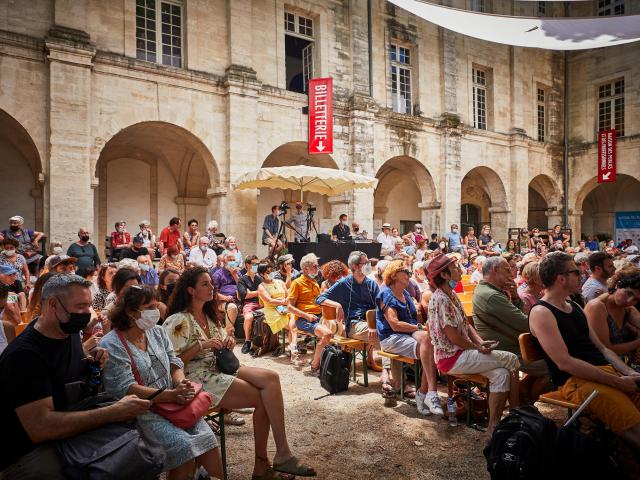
{"x": 306, "y": 326}
{"x": 618, "y": 410}
{"x": 401, "y": 344}
{"x": 249, "y": 307}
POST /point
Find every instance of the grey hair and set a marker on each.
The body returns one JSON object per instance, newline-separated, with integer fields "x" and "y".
{"x": 490, "y": 263}
{"x": 354, "y": 258}
{"x": 229, "y": 239}
{"x": 418, "y": 265}
{"x": 581, "y": 257}
{"x": 144, "y": 222}
{"x": 212, "y": 224}
{"x": 308, "y": 259}
{"x": 58, "y": 285}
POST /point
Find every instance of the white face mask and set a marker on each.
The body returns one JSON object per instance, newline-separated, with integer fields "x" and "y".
{"x": 203, "y": 248}
{"x": 454, "y": 230}
{"x": 366, "y": 270}
{"x": 442, "y": 245}
{"x": 9, "y": 253}
{"x": 148, "y": 319}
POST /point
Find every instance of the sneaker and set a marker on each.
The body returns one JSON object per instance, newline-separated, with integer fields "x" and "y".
{"x": 432, "y": 402}
{"x": 315, "y": 372}
{"x": 421, "y": 404}
{"x": 246, "y": 348}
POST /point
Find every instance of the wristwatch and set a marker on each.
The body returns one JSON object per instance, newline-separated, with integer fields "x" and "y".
{"x": 420, "y": 327}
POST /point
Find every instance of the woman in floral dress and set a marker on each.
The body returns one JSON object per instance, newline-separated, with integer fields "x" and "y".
{"x": 196, "y": 333}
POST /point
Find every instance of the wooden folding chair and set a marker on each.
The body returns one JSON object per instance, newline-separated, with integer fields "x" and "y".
{"x": 358, "y": 347}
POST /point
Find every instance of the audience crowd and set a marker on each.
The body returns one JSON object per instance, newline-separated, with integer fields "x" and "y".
{"x": 161, "y": 316}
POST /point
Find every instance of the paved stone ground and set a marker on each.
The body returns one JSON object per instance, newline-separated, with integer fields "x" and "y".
{"x": 353, "y": 436}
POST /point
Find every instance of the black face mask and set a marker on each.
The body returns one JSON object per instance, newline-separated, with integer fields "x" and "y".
{"x": 170, "y": 287}
{"x": 15, "y": 228}
{"x": 76, "y": 322}
{"x": 84, "y": 238}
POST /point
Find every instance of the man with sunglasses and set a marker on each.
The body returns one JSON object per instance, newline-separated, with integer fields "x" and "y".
{"x": 352, "y": 296}
{"x": 578, "y": 361}
{"x": 37, "y": 371}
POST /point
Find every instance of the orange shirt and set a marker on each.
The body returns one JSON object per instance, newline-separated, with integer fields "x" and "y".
{"x": 303, "y": 293}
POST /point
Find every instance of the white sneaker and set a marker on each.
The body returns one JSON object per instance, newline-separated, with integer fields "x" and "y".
{"x": 421, "y": 403}
{"x": 432, "y": 402}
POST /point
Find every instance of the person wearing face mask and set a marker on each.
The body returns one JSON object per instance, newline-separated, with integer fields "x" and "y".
{"x": 231, "y": 248}
{"x": 167, "y": 283}
{"x": 341, "y": 231}
{"x": 415, "y": 236}
{"x": 138, "y": 344}
{"x": 386, "y": 240}
{"x": 172, "y": 259}
{"x": 49, "y": 354}
{"x": 148, "y": 274}
{"x": 202, "y": 256}
{"x": 28, "y": 242}
{"x": 352, "y": 296}
{"x": 85, "y": 251}
{"x": 458, "y": 348}
{"x": 226, "y": 282}
{"x": 535, "y": 241}
{"x": 136, "y": 249}
{"x": 120, "y": 239}
{"x": 248, "y": 296}
{"x": 12, "y": 258}
{"x": 454, "y": 240}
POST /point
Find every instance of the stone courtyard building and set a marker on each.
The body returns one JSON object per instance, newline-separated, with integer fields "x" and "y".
{"x": 135, "y": 109}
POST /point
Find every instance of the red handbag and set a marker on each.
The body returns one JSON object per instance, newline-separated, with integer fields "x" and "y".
{"x": 182, "y": 416}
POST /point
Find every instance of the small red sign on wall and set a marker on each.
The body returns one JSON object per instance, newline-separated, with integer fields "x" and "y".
{"x": 607, "y": 156}
{"x": 320, "y": 115}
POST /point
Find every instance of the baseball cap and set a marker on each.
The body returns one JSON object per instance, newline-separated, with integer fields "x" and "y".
{"x": 7, "y": 270}
{"x": 438, "y": 265}
{"x": 55, "y": 260}
{"x": 285, "y": 258}
{"x": 138, "y": 239}
{"x": 386, "y": 225}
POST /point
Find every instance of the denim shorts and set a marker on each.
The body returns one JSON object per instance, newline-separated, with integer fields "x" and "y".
{"x": 306, "y": 325}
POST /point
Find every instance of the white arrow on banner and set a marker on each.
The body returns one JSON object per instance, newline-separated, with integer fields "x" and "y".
{"x": 605, "y": 176}
{"x": 320, "y": 146}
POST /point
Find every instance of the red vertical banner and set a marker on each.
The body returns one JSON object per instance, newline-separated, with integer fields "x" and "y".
{"x": 607, "y": 156}
{"x": 320, "y": 115}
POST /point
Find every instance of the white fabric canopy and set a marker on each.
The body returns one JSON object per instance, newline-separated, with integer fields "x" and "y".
{"x": 540, "y": 32}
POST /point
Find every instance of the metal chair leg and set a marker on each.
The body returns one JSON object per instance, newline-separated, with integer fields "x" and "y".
{"x": 223, "y": 444}
{"x": 365, "y": 367}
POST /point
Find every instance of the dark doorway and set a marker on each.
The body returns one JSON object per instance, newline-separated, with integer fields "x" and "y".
{"x": 295, "y": 58}
{"x": 469, "y": 217}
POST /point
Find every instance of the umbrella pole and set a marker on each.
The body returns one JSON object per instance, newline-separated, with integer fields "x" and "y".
{"x": 301, "y": 191}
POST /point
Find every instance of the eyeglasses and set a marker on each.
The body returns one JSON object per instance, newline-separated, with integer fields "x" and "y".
{"x": 568, "y": 272}
{"x": 408, "y": 272}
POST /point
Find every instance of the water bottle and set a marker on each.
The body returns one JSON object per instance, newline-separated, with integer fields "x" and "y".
{"x": 452, "y": 410}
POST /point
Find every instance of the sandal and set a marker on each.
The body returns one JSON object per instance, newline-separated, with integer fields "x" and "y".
{"x": 387, "y": 390}
{"x": 213, "y": 425}
{"x": 409, "y": 391}
{"x": 234, "y": 419}
{"x": 295, "y": 467}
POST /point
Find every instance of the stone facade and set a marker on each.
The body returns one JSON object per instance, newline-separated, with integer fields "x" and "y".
{"x": 93, "y": 135}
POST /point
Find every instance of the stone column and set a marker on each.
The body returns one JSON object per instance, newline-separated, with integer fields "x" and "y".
{"x": 430, "y": 217}
{"x": 554, "y": 217}
{"x": 499, "y": 224}
{"x": 575, "y": 224}
{"x": 70, "y": 56}
{"x": 518, "y": 186}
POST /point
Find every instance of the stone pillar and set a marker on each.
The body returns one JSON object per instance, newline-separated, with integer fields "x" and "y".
{"x": 519, "y": 198}
{"x": 499, "y": 224}
{"x": 554, "y": 217}
{"x": 70, "y": 56}
{"x": 340, "y": 204}
{"x": 430, "y": 217}
{"x": 358, "y": 36}
{"x": 575, "y": 224}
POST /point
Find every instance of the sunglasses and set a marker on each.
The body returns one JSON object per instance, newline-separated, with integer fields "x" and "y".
{"x": 568, "y": 272}
{"x": 408, "y": 272}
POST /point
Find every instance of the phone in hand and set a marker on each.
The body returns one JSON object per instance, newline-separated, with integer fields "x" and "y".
{"x": 493, "y": 345}
{"x": 156, "y": 393}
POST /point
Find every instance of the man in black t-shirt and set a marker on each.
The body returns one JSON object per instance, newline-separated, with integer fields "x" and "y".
{"x": 135, "y": 250}
{"x": 35, "y": 370}
{"x": 341, "y": 231}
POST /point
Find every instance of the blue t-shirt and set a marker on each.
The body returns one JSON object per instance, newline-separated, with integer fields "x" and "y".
{"x": 355, "y": 298}
{"x": 406, "y": 311}
{"x": 593, "y": 246}
{"x": 454, "y": 240}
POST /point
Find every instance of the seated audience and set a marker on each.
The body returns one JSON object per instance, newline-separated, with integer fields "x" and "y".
{"x": 592, "y": 244}
{"x": 137, "y": 344}
{"x": 191, "y": 238}
{"x": 61, "y": 264}
{"x": 105, "y": 277}
{"x": 49, "y": 353}
{"x": 458, "y": 347}
{"x": 10, "y": 258}
{"x": 124, "y": 277}
{"x": 285, "y": 271}
{"x": 35, "y": 302}
{"x": 170, "y": 237}
{"x": 511, "y": 247}
{"x": 578, "y": 361}
{"x": 196, "y": 334}
{"x": 332, "y": 271}
{"x": 28, "y": 242}
{"x": 202, "y": 256}
{"x": 532, "y": 290}
{"x": 535, "y": 241}
{"x": 9, "y": 318}
{"x": 216, "y": 239}
{"x": 476, "y": 274}
{"x": 136, "y": 249}
{"x": 471, "y": 241}
{"x": 231, "y": 247}
{"x": 226, "y": 282}
{"x": 601, "y": 266}
{"x": 85, "y": 251}
{"x": 248, "y": 296}
{"x": 454, "y": 241}
{"x": 166, "y": 284}
{"x": 415, "y": 236}
{"x": 120, "y": 239}
{"x": 148, "y": 238}
{"x": 302, "y": 303}
{"x": 172, "y": 259}
{"x": 386, "y": 239}
{"x": 612, "y": 316}
{"x": 274, "y": 298}
{"x": 400, "y": 332}
{"x": 148, "y": 274}
{"x": 556, "y": 236}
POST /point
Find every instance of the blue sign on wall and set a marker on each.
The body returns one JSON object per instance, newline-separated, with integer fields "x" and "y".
{"x": 628, "y": 226}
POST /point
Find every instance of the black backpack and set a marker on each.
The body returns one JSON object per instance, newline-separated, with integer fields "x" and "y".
{"x": 263, "y": 340}
{"x": 522, "y": 446}
{"x": 335, "y": 368}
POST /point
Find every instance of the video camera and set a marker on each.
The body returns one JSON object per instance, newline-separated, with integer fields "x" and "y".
{"x": 311, "y": 207}
{"x": 284, "y": 206}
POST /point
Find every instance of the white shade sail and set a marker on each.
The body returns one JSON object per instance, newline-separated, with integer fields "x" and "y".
{"x": 539, "y": 32}
{"x": 326, "y": 181}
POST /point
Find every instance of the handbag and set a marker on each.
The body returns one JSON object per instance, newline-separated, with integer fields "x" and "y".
{"x": 182, "y": 416}
{"x": 116, "y": 451}
{"x": 226, "y": 361}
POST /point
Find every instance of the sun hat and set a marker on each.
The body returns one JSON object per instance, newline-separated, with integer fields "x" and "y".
{"x": 438, "y": 265}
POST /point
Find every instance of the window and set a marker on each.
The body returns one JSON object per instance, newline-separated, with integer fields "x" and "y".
{"x": 165, "y": 31}
{"x": 479, "y": 98}
{"x": 541, "y": 114}
{"x": 299, "y": 51}
{"x": 479, "y": 5}
{"x": 542, "y": 9}
{"x": 610, "y": 7}
{"x": 611, "y": 107}
{"x": 401, "y": 79}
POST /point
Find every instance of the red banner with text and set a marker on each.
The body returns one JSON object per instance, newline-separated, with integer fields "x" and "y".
{"x": 607, "y": 156}
{"x": 321, "y": 115}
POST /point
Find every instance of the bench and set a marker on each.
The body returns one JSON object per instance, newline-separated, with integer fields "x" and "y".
{"x": 470, "y": 381}
{"x": 531, "y": 354}
{"x": 358, "y": 347}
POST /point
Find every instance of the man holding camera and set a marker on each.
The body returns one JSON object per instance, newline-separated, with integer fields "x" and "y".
{"x": 270, "y": 229}
{"x": 298, "y": 223}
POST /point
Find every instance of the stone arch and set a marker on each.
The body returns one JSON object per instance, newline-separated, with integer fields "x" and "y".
{"x": 483, "y": 188}
{"x": 596, "y": 204}
{"x": 154, "y": 170}
{"x": 405, "y": 192}
{"x": 21, "y": 176}
{"x": 290, "y": 154}
{"x": 544, "y": 202}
